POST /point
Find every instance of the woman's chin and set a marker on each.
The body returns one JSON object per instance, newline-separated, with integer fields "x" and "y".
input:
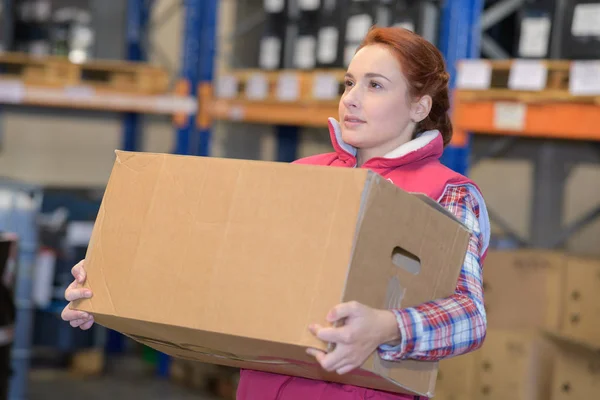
{"x": 352, "y": 138}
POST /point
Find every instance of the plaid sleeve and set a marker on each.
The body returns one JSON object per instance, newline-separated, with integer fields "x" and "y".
{"x": 456, "y": 324}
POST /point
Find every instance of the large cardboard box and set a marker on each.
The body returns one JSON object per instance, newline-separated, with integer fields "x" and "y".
{"x": 514, "y": 364}
{"x": 576, "y": 370}
{"x": 457, "y": 378}
{"x": 229, "y": 261}
{"x": 581, "y": 300}
{"x": 523, "y": 289}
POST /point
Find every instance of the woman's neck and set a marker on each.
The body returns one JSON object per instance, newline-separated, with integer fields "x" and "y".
{"x": 365, "y": 154}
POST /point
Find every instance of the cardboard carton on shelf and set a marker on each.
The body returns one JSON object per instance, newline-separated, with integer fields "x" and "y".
{"x": 228, "y": 261}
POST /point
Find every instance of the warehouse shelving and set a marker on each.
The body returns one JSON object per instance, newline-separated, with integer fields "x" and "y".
{"x": 197, "y": 54}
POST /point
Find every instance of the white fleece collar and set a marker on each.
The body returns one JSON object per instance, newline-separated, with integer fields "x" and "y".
{"x": 418, "y": 143}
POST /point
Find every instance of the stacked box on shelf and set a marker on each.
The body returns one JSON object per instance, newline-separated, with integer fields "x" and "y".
{"x": 576, "y": 371}
{"x": 538, "y": 303}
{"x": 302, "y": 32}
{"x": 330, "y": 43}
{"x": 538, "y": 29}
{"x": 271, "y": 49}
{"x": 580, "y": 38}
{"x": 419, "y": 16}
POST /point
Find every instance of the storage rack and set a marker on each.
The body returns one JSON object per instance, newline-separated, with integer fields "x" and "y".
{"x": 557, "y": 134}
{"x": 460, "y": 38}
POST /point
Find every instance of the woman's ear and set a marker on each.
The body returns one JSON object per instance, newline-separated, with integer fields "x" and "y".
{"x": 421, "y": 108}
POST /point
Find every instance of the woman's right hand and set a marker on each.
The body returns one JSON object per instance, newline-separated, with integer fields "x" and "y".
{"x": 75, "y": 291}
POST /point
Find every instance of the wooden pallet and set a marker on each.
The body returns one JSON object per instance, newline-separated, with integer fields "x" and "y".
{"x": 557, "y": 87}
{"x": 109, "y": 76}
{"x": 286, "y": 86}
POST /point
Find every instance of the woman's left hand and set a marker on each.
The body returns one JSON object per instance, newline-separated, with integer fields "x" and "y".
{"x": 363, "y": 330}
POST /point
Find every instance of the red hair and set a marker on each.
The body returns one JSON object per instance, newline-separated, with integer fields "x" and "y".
{"x": 425, "y": 70}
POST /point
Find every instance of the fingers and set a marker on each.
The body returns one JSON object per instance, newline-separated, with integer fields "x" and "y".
{"x": 333, "y": 335}
{"x": 345, "y": 369}
{"x": 87, "y": 325}
{"x": 84, "y": 323}
{"x": 334, "y": 360}
{"x": 72, "y": 294}
{"x": 343, "y": 310}
{"x": 71, "y": 315}
{"x": 78, "y": 272}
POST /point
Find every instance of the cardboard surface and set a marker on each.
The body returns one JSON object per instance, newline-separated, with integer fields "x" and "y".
{"x": 576, "y": 370}
{"x": 581, "y": 297}
{"x": 514, "y": 364}
{"x": 523, "y": 289}
{"x": 457, "y": 378}
{"x": 228, "y": 261}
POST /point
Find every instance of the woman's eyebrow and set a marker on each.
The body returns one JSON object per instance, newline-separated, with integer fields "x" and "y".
{"x": 369, "y": 75}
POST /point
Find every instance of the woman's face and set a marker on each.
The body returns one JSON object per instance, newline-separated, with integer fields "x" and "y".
{"x": 374, "y": 111}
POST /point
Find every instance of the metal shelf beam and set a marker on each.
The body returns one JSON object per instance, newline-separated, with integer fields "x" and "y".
{"x": 460, "y": 38}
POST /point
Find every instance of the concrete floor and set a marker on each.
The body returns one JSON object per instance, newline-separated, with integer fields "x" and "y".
{"x": 127, "y": 381}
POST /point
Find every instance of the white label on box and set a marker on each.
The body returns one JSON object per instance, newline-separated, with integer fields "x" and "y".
{"x": 408, "y": 25}
{"x": 357, "y": 27}
{"x": 227, "y": 86}
{"x": 304, "y": 53}
{"x": 328, "y": 45}
{"x": 288, "y": 87}
{"x": 79, "y": 92}
{"x": 527, "y": 75}
{"x": 257, "y": 87}
{"x": 586, "y": 20}
{"x": 474, "y": 74}
{"x": 236, "y": 113}
{"x": 349, "y": 52}
{"x": 270, "y": 51}
{"x": 509, "y": 116}
{"x": 309, "y": 5}
{"x": 535, "y": 36}
{"x": 11, "y": 91}
{"x": 584, "y": 78}
{"x": 325, "y": 87}
{"x": 274, "y": 6}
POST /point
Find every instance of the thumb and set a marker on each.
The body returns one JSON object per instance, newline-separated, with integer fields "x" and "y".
{"x": 343, "y": 310}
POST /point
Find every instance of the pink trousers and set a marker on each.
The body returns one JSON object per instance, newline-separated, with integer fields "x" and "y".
{"x": 256, "y": 385}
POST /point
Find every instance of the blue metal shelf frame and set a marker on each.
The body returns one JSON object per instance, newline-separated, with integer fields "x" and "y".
{"x": 208, "y": 47}
{"x": 138, "y": 16}
{"x": 460, "y": 37}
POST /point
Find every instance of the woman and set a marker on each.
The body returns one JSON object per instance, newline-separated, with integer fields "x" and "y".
{"x": 393, "y": 120}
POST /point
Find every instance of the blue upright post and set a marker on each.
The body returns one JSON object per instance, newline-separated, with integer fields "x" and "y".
{"x": 287, "y": 143}
{"x": 208, "y": 46}
{"x": 138, "y": 14}
{"x": 460, "y": 35}
{"x": 190, "y": 68}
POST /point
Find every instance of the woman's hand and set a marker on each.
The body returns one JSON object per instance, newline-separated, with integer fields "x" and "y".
{"x": 78, "y": 319}
{"x": 362, "y": 330}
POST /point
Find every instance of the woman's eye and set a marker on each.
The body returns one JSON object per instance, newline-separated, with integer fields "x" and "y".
{"x": 375, "y": 85}
{"x": 348, "y": 83}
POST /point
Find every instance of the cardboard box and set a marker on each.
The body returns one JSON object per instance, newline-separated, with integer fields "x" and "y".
{"x": 523, "y": 289}
{"x": 514, "y": 365}
{"x": 576, "y": 370}
{"x": 229, "y": 261}
{"x": 457, "y": 378}
{"x": 581, "y": 300}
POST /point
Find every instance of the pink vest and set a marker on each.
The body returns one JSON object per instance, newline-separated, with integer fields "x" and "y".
{"x": 414, "y": 167}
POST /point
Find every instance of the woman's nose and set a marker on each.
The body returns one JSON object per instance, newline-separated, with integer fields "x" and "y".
{"x": 351, "y": 99}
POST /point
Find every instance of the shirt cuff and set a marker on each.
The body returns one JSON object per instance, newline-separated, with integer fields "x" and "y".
{"x": 391, "y": 353}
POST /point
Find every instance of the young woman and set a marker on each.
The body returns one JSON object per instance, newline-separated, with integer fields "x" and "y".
{"x": 393, "y": 119}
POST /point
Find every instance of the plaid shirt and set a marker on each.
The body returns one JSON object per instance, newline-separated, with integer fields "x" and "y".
{"x": 456, "y": 324}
